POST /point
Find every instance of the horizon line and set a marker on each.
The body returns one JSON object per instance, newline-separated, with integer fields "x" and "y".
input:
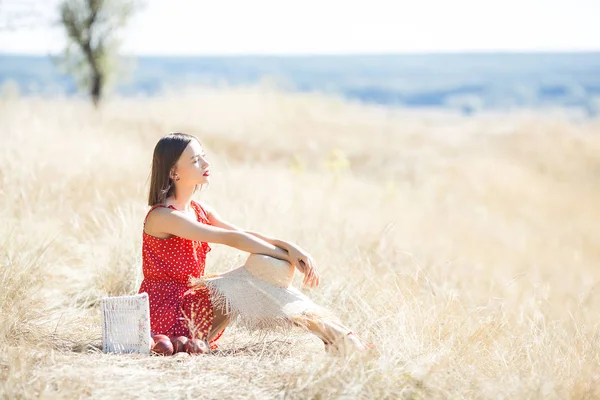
{"x": 349, "y": 54}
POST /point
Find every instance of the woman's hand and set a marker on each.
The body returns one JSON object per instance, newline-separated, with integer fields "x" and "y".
{"x": 305, "y": 264}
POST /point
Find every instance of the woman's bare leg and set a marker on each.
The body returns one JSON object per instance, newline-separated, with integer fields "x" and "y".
{"x": 330, "y": 332}
{"x": 220, "y": 322}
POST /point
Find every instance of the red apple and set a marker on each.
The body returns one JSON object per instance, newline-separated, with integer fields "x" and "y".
{"x": 179, "y": 343}
{"x": 196, "y": 346}
{"x": 162, "y": 345}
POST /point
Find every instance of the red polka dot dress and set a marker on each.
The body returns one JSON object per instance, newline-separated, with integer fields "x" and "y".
{"x": 167, "y": 264}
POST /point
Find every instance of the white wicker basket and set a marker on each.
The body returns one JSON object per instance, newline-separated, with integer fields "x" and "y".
{"x": 126, "y": 324}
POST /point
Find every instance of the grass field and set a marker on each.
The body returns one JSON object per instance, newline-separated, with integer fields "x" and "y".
{"x": 466, "y": 249}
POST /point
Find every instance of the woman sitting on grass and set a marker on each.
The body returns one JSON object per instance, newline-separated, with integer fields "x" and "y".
{"x": 176, "y": 236}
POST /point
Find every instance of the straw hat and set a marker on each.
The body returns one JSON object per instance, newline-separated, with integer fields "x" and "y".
{"x": 271, "y": 270}
{"x": 261, "y": 295}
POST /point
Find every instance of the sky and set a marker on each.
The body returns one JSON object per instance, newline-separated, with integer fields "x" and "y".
{"x": 287, "y": 27}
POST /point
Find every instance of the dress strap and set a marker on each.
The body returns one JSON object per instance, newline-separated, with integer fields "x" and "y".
{"x": 200, "y": 211}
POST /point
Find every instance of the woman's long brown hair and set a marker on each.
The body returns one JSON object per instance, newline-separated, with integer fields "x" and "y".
{"x": 166, "y": 153}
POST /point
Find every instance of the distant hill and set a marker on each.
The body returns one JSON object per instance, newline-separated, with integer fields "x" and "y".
{"x": 468, "y": 82}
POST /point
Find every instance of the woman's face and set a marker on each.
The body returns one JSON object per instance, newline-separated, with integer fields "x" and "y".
{"x": 192, "y": 167}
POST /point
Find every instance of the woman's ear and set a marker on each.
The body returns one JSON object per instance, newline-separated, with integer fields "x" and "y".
{"x": 173, "y": 175}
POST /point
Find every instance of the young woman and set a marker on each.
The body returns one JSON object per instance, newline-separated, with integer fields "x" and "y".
{"x": 176, "y": 236}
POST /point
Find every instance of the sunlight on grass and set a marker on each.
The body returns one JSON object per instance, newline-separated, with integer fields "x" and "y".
{"x": 465, "y": 249}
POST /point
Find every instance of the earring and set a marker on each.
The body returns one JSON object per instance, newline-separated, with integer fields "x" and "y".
{"x": 176, "y": 177}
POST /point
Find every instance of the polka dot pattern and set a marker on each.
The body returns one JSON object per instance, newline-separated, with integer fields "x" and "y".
{"x": 167, "y": 265}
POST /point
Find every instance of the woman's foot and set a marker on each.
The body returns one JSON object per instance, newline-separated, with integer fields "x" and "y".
{"x": 356, "y": 342}
{"x": 347, "y": 344}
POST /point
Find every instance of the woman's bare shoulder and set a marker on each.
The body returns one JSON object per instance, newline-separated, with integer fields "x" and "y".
{"x": 156, "y": 216}
{"x": 159, "y": 209}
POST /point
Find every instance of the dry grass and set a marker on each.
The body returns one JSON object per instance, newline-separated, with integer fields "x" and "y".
{"x": 467, "y": 249}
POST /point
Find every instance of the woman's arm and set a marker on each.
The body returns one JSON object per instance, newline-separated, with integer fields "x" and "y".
{"x": 216, "y": 220}
{"x": 165, "y": 222}
{"x": 297, "y": 257}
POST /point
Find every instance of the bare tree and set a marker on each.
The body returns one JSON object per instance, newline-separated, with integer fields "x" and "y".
{"x": 93, "y": 28}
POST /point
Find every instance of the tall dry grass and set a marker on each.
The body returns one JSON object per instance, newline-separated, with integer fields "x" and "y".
{"x": 466, "y": 249}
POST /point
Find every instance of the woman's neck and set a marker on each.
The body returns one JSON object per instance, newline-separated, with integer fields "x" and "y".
{"x": 183, "y": 197}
